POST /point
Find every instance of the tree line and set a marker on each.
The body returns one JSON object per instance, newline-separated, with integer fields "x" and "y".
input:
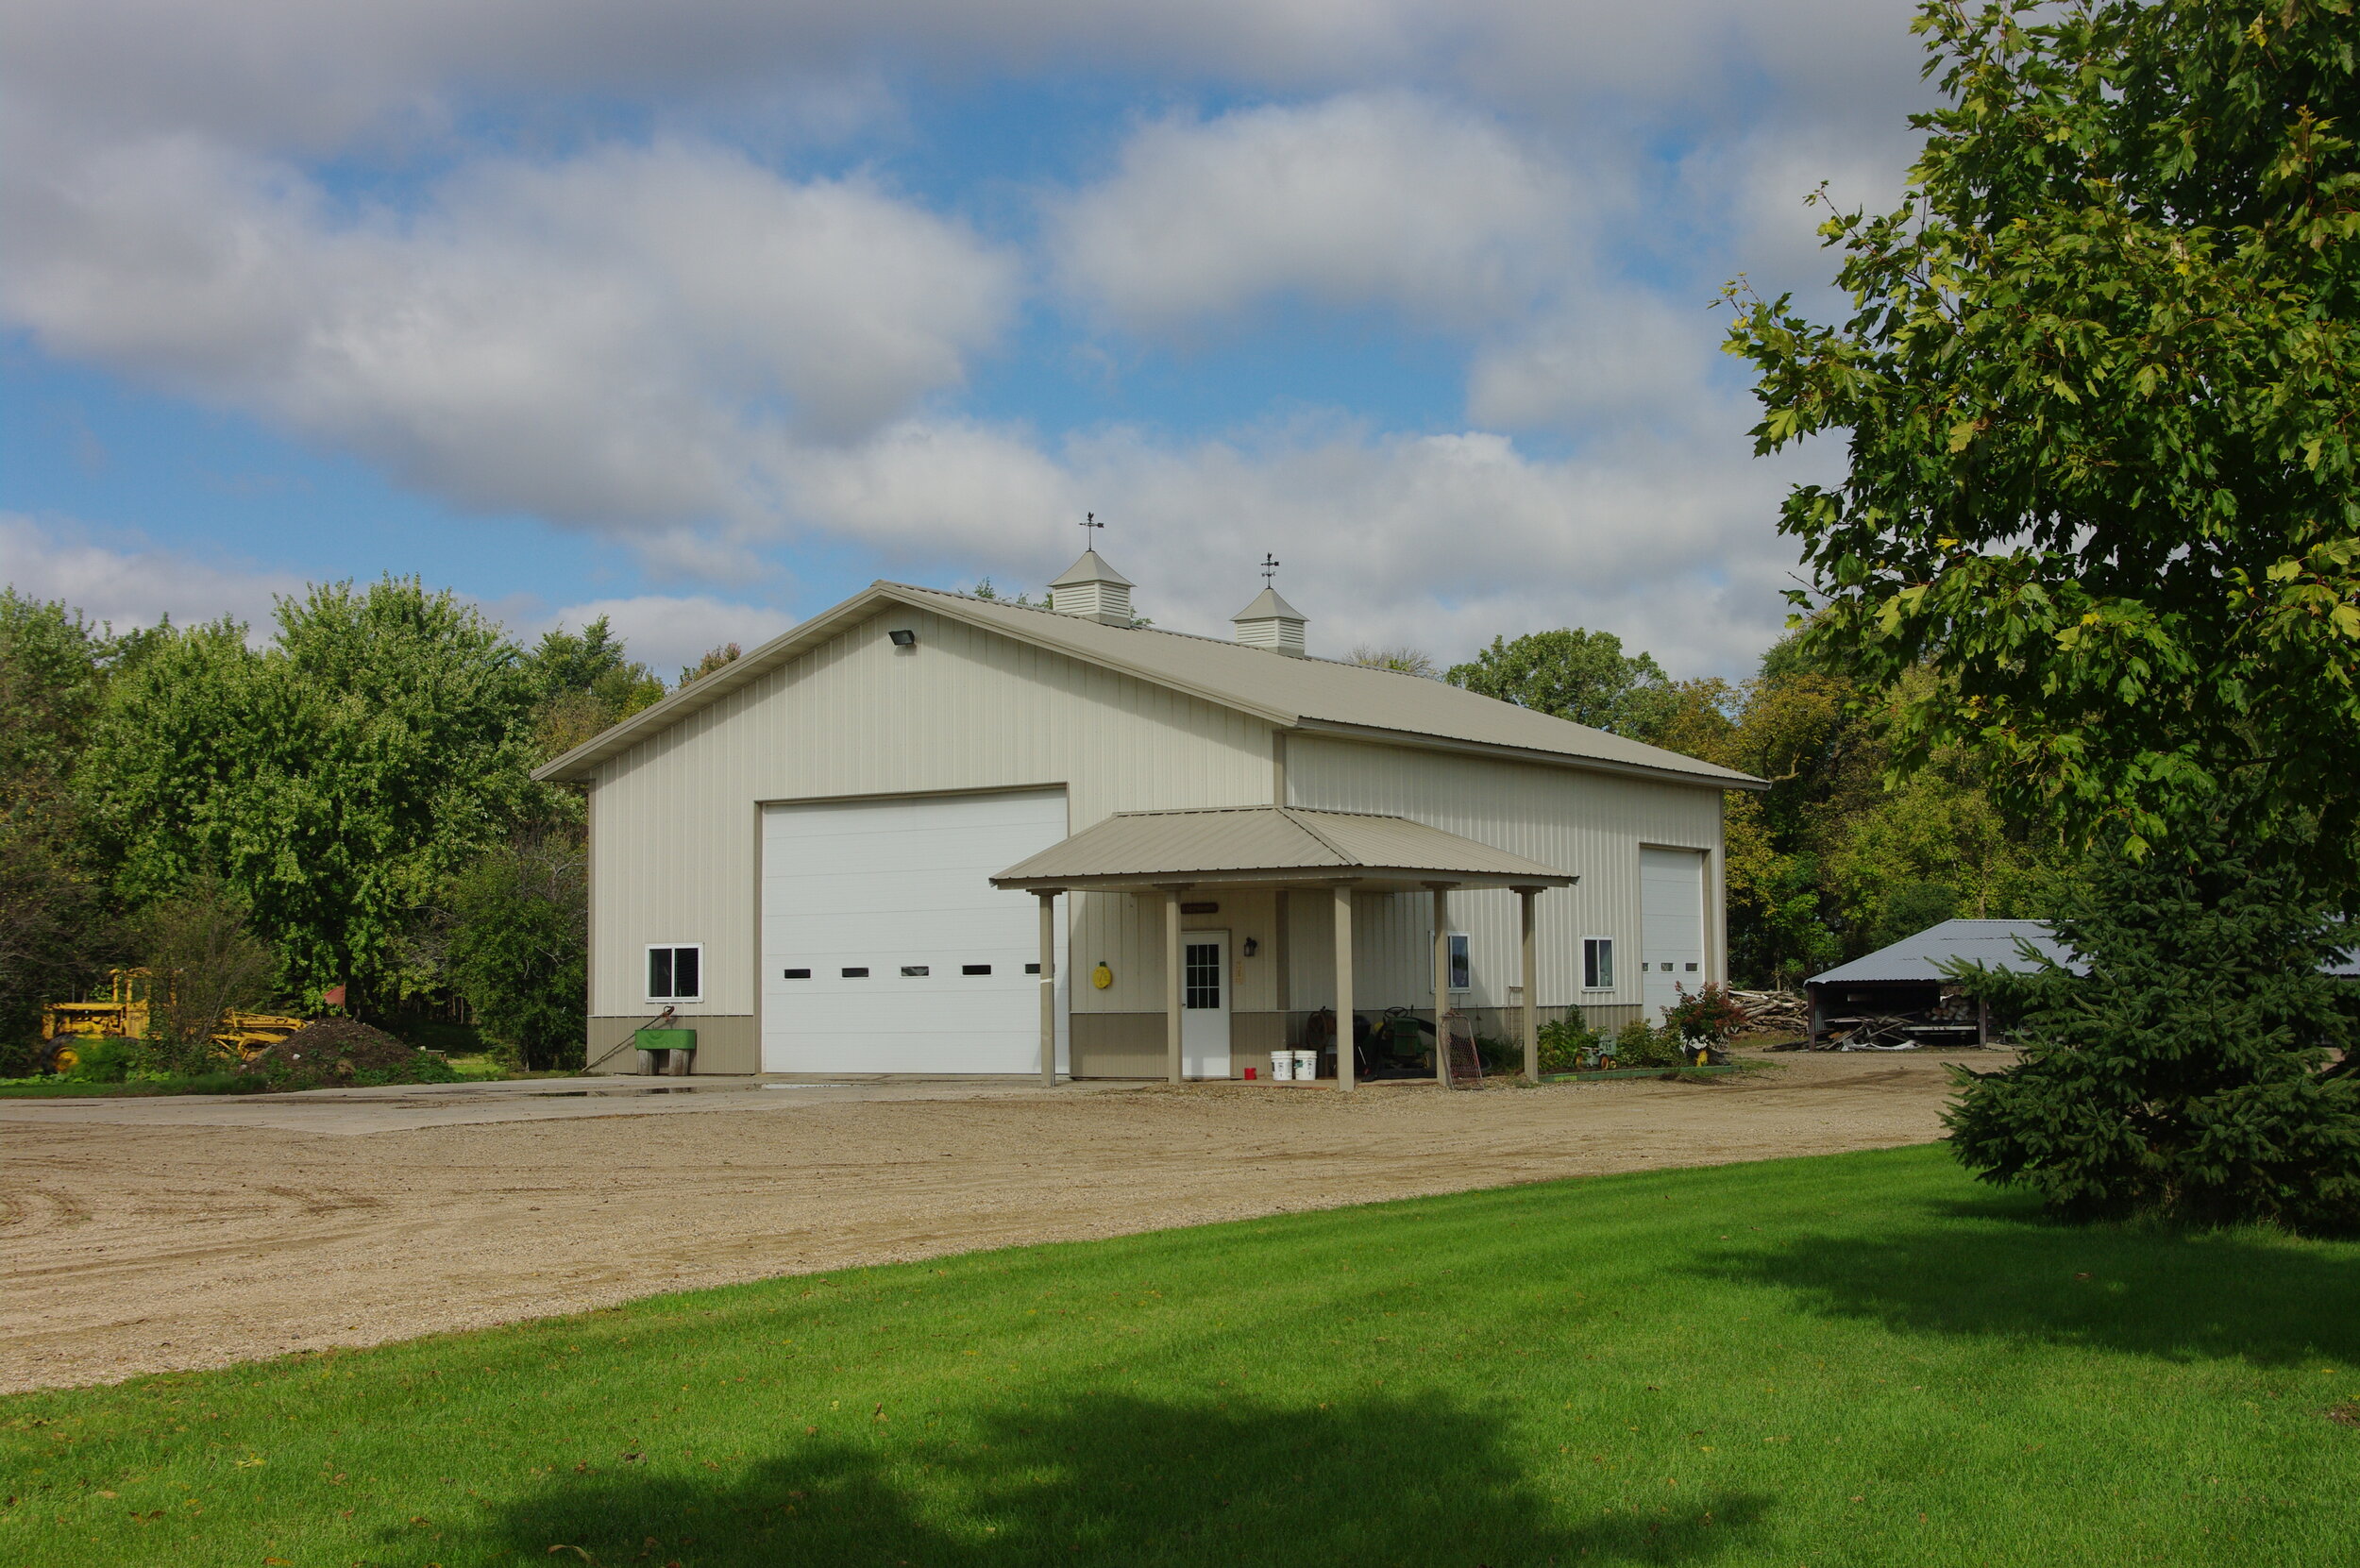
{"x": 348, "y": 804}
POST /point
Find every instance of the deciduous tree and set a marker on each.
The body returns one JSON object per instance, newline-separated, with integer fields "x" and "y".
{"x": 2101, "y": 389}
{"x": 516, "y": 929}
{"x": 1574, "y": 674}
{"x": 54, "y": 924}
{"x": 334, "y": 782}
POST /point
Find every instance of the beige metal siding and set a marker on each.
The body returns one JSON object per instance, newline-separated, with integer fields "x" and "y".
{"x": 1367, "y": 703}
{"x": 1586, "y": 823}
{"x": 678, "y": 818}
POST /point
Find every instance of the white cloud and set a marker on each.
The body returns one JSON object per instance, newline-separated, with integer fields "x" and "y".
{"x": 669, "y": 633}
{"x": 133, "y": 582}
{"x": 677, "y": 343}
{"x": 137, "y": 585}
{"x": 1365, "y": 199}
{"x": 604, "y": 339}
{"x": 1606, "y": 359}
{"x": 318, "y": 74}
{"x": 1442, "y": 541}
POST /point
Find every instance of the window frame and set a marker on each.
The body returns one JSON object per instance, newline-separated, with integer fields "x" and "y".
{"x": 647, "y": 971}
{"x": 1590, "y": 948}
{"x": 1460, "y": 957}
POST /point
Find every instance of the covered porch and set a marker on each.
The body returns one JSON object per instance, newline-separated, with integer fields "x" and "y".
{"x": 1163, "y": 857}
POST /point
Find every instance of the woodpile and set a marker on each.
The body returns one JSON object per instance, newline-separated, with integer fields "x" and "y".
{"x": 1878, "y": 1032}
{"x": 1773, "y": 1012}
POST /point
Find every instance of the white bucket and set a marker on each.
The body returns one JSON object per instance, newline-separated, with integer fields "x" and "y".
{"x": 1307, "y": 1066}
{"x": 1282, "y": 1066}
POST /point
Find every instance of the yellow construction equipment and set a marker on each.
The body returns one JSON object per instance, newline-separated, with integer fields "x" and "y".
{"x": 124, "y": 1015}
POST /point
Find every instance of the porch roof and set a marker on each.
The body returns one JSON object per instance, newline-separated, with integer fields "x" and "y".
{"x": 1271, "y": 846}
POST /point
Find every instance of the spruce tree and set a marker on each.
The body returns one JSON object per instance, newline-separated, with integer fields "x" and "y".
{"x": 2192, "y": 1060}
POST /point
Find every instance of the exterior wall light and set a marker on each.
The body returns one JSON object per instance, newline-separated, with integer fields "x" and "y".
{"x": 904, "y": 639}
{"x": 1251, "y": 948}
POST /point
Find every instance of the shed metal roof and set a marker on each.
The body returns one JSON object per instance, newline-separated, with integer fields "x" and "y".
{"x": 1319, "y": 694}
{"x": 1263, "y": 844}
{"x": 1991, "y": 943}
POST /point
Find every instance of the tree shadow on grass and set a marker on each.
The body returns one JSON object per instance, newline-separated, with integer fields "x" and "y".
{"x": 1996, "y": 1267}
{"x": 1112, "y": 1479}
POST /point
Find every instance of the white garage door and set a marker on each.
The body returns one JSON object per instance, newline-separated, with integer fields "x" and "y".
{"x": 1671, "y": 926}
{"x": 885, "y": 948}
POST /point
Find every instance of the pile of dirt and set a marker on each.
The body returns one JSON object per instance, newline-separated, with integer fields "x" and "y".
{"x": 342, "y": 1053}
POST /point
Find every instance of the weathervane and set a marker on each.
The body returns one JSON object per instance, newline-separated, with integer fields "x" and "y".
{"x": 1090, "y": 519}
{"x": 1270, "y": 568}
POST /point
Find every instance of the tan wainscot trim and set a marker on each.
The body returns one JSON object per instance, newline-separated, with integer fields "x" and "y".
{"x": 726, "y": 1042}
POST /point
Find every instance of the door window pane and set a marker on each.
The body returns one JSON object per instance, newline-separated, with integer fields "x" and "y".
{"x": 1199, "y": 975}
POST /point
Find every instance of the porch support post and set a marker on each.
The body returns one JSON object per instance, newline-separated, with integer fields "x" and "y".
{"x": 1441, "y": 980}
{"x": 1528, "y": 899}
{"x": 1172, "y": 982}
{"x": 1344, "y": 984}
{"x": 1048, "y": 986}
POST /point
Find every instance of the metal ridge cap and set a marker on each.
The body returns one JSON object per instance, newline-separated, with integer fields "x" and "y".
{"x": 1281, "y": 716}
{"x": 1719, "y": 778}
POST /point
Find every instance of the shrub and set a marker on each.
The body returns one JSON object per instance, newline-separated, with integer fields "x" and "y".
{"x": 1710, "y": 1017}
{"x": 1564, "y": 1043}
{"x": 1637, "y": 1045}
{"x": 103, "y": 1061}
{"x": 205, "y": 963}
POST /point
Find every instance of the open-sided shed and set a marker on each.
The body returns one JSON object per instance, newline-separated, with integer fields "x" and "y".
{"x": 1903, "y": 993}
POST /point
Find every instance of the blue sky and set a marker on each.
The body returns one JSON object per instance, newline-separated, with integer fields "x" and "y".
{"x": 701, "y": 316}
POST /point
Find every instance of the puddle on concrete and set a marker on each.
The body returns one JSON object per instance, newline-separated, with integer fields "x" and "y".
{"x": 673, "y": 1088}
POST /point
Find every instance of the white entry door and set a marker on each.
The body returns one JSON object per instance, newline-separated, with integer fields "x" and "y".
{"x": 1205, "y": 1003}
{"x": 884, "y": 946}
{"x": 1671, "y": 926}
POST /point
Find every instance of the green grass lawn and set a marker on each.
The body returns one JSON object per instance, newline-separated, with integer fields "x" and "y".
{"x": 1855, "y": 1359}
{"x": 478, "y": 1067}
{"x": 48, "y": 1087}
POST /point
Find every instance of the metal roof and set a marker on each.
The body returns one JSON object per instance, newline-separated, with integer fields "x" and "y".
{"x": 1092, "y": 568}
{"x": 1318, "y": 695}
{"x": 1991, "y": 943}
{"x": 1267, "y": 606}
{"x": 1262, "y": 844}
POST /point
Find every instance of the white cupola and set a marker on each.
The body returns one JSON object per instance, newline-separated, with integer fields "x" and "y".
{"x": 1094, "y": 591}
{"x": 1270, "y": 622}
